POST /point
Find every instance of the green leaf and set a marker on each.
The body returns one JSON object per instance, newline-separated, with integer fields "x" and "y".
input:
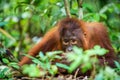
{"x": 103, "y": 16}
{"x": 37, "y": 61}
{"x": 6, "y": 61}
{"x": 62, "y": 66}
{"x": 100, "y": 51}
{"x": 72, "y": 56}
{"x": 14, "y": 65}
{"x": 99, "y": 76}
{"x": 3, "y": 23}
{"x": 97, "y": 17}
{"x": 75, "y": 64}
{"x": 5, "y": 72}
{"x": 86, "y": 67}
{"x": 32, "y": 70}
{"x": 77, "y": 50}
{"x": 41, "y": 54}
{"x": 96, "y": 47}
{"x": 53, "y": 1}
{"x": 117, "y": 64}
{"x": 49, "y": 54}
{"x": 53, "y": 69}
{"x": 58, "y": 57}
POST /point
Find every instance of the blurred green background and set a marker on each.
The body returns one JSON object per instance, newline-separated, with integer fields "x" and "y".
{"x": 24, "y": 22}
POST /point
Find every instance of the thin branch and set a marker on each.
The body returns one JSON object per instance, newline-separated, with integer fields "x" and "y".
{"x": 80, "y": 10}
{"x": 7, "y": 34}
{"x": 76, "y": 73}
{"x": 67, "y": 8}
{"x": 32, "y": 2}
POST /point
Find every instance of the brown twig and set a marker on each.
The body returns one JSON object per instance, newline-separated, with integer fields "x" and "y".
{"x": 76, "y": 73}
{"x": 92, "y": 76}
{"x": 67, "y": 8}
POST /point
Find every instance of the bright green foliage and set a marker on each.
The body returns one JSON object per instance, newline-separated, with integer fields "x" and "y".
{"x": 63, "y": 66}
{"x": 84, "y": 58}
{"x": 107, "y": 74}
{"x": 6, "y": 61}
{"x": 97, "y": 50}
{"x": 14, "y": 65}
{"x": 32, "y": 70}
{"x": 7, "y": 64}
{"x": 85, "y": 61}
{"x": 78, "y": 58}
{"x": 117, "y": 69}
{"x": 5, "y": 72}
{"x": 45, "y": 64}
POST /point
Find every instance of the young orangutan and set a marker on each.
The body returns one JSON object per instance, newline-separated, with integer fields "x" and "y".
{"x": 71, "y": 31}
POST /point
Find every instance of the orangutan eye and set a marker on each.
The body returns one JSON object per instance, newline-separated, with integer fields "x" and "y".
{"x": 65, "y": 42}
{"x": 73, "y": 42}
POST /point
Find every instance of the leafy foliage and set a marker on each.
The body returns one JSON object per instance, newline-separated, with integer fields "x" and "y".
{"x": 79, "y": 59}
{"x": 44, "y": 63}
{"x": 8, "y": 63}
{"x": 107, "y": 74}
{"x": 83, "y": 58}
{"x": 5, "y": 72}
{"x": 22, "y": 22}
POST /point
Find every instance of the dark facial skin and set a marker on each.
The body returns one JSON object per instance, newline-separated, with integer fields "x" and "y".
{"x": 71, "y": 38}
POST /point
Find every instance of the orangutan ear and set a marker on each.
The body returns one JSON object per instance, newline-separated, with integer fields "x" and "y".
{"x": 85, "y": 40}
{"x": 85, "y": 34}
